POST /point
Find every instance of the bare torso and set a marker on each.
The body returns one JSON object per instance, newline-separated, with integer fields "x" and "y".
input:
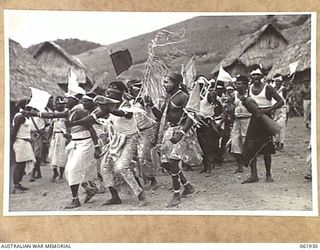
{"x": 177, "y": 102}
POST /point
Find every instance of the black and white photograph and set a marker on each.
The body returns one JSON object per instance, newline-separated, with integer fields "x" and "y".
{"x": 160, "y": 113}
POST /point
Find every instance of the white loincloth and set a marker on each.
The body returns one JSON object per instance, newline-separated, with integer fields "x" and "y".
{"x": 81, "y": 164}
{"x": 23, "y": 151}
{"x": 57, "y": 151}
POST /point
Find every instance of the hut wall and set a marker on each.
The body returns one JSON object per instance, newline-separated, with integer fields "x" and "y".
{"x": 57, "y": 66}
{"x": 265, "y": 50}
{"x": 302, "y": 78}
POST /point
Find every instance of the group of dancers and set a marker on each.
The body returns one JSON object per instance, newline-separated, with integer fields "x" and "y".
{"x": 122, "y": 138}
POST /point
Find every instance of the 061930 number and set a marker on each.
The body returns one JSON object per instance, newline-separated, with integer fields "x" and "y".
{"x": 308, "y": 246}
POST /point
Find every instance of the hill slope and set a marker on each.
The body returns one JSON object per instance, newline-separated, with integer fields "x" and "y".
{"x": 203, "y": 35}
{"x": 209, "y": 38}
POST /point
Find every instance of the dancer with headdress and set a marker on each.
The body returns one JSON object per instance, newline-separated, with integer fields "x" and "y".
{"x": 123, "y": 142}
{"x": 147, "y": 134}
{"x": 179, "y": 139}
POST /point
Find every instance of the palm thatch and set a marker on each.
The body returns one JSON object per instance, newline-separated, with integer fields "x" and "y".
{"x": 57, "y": 62}
{"x": 295, "y": 52}
{"x": 25, "y": 72}
{"x": 298, "y": 33}
{"x": 241, "y": 53}
{"x": 299, "y": 50}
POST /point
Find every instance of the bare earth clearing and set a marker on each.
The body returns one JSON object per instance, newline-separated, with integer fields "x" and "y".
{"x": 222, "y": 191}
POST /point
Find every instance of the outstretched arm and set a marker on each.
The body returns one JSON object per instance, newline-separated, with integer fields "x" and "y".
{"x": 88, "y": 120}
{"x": 122, "y": 113}
{"x": 47, "y": 115}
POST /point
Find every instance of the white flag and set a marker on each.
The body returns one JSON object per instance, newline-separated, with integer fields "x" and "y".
{"x": 293, "y": 67}
{"x": 189, "y": 74}
{"x": 260, "y": 64}
{"x": 72, "y": 79}
{"x": 223, "y": 75}
{"x": 73, "y": 84}
{"x": 193, "y": 103}
{"x": 39, "y": 99}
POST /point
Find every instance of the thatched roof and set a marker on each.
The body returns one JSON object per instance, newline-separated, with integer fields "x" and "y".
{"x": 293, "y": 53}
{"x": 299, "y": 50}
{"x": 298, "y": 33}
{"x": 248, "y": 40}
{"x": 25, "y": 72}
{"x": 73, "y": 60}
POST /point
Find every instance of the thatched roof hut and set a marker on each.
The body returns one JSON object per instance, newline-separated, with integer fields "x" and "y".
{"x": 57, "y": 63}
{"x": 25, "y": 72}
{"x": 259, "y": 47}
{"x": 299, "y": 50}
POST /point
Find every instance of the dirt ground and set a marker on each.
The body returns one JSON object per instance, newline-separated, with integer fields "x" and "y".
{"x": 222, "y": 191}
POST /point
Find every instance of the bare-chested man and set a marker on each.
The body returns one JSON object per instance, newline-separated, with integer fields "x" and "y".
{"x": 179, "y": 139}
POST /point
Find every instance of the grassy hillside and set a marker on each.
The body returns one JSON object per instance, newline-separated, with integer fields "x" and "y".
{"x": 72, "y": 46}
{"x": 209, "y": 38}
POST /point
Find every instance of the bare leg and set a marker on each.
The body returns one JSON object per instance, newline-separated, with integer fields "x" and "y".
{"x": 91, "y": 190}
{"x": 254, "y": 174}
{"x": 61, "y": 173}
{"x": 55, "y": 174}
{"x": 18, "y": 173}
{"x": 75, "y": 200}
{"x": 239, "y": 164}
{"x": 115, "y": 199}
{"x": 205, "y": 163}
{"x": 267, "y": 162}
{"x": 173, "y": 169}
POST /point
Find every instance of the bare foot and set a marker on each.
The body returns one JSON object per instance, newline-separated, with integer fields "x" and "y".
{"x": 188, "y": 189}
{"x": 238, "y": 170}
{"x": 269, "y": 179}
{"x": 250, "y": 180}
{"x": 175, "y": 201}
{"x": 112, "y": 201}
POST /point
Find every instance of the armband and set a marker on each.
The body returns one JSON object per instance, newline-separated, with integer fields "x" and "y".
{"x": 94, "y": 116}
{"x": 182, "y": 132}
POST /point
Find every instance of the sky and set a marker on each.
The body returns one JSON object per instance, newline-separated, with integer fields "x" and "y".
{"x": 29, "y": 27}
